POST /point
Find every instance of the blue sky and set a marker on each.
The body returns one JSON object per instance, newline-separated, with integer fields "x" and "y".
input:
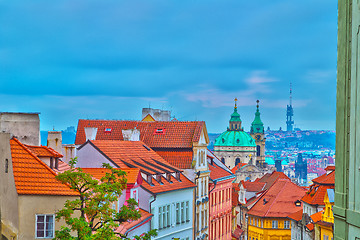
{"x": 108, "y": 59}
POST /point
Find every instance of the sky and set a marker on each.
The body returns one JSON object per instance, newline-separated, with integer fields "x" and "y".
{"x": 73, "y": 60}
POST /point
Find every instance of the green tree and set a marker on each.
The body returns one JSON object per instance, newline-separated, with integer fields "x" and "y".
{"x": 91, "y": 215}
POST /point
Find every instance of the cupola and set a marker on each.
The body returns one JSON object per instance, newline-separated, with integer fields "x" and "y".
{"x": 235, "y": 121}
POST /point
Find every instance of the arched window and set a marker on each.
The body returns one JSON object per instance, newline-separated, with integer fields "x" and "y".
{"x": 257, "y": 150}
{"x": 235, "y": 126}
{"x": 223, "y": 160}
{"x": 237, "y": 161}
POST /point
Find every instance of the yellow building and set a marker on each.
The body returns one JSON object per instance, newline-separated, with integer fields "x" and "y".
{"x": 324, "y": 229}
{"x": 267, "y": 218}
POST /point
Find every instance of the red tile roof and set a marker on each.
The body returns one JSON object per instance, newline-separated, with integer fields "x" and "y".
{"x": 175, "y": 134}
{"x": 330, "y": 168}
{"x": 316, "y": 217}
{"x": 166, "y": 186}
{"x": 316, "y": 194}
{"x": 181, "y": 158}
{"x": 271, "y": 178}
{"x": 253, "y": 186}
{"x": 133, "y": 154}
{"x": 310, "y": 226}
{"x": 62, "y": 167}
{"x": 132, "y": 174}
{"x": 325, "y": 179}
{"x": 44, "y": 151}
{"x": 217, "y": 172}
{"x": 297, "y": 216}
{"x": 278, "y": 200}
{"x": 131, "y": 225}
{"x": 32, "y": 176}
{"x": 238, "y": 166}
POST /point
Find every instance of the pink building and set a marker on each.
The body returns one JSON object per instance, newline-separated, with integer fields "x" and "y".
{"x": 220, "y": 193}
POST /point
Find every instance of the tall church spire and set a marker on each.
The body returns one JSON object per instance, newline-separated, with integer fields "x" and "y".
{"x": 289, "y": 113}
{"x": 257, "y": 125}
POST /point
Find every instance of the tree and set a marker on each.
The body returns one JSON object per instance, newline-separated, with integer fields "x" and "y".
{"x": 91, "y": 215}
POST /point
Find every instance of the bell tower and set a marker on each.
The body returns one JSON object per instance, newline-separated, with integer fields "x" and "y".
{"x": 257, "y": 132}
{"x": 235, "y": 121}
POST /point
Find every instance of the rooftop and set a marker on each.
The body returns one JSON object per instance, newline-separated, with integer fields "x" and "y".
{"x": 32, "y": 176}
{"x": 132, "y": 174}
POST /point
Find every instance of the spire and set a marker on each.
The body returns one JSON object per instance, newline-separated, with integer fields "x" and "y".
{"x": 257, "y": 125}
{"x": 235, "y": 121}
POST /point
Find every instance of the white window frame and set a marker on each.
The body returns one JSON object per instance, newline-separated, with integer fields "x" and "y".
{"x": 276, "y": 223}
{"x": 287, "y": 224}
{"x": 134, "y": 194}
{"x": 45, "y": 217}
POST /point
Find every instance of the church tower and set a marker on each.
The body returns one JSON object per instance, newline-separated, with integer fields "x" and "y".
{"x": 289, "y": 114}
{"x": 235, "y": 121}
{"x": 257, "y": 132}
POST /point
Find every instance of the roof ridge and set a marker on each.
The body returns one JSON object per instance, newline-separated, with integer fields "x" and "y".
{"x": 29, "y": 151}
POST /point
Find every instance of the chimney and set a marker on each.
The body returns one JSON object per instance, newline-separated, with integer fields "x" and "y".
{"x": 131, "y": 135}
{"x": 90, "y": 133}
{"x": 54, "y": 141}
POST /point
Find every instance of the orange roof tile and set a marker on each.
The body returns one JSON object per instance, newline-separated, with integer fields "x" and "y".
{"x": 278, "y": 200}
{"x": 330, "y": 168}
{"x": 166, "y": 186}
{"x": 181, "y": 158}
{"x": 297, "y": 216}
{"x": 174, "y": 134}
{"x": 325, "y": 179}
{"x": 44, "y": 151}
{"x": 310, "y": 226}
{"x": 131, "y": 225}
{"x": 133, "y": 154}
{"x": 132, "y": 174}
{"x": 218, "y": 172}
{"x": 238, "y": 166}
{"x": 62, "y": 167}
{"x": 316, "y": 194}
{"x": 271, "y": 178}
{"x": 253, "y": 186}
{"x": 316, "y": 217}
{"x": 32, "y": 176}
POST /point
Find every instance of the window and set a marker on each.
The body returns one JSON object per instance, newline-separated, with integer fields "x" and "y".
{"x": 44, "y": 226}
{"x": 287, "y": 224}
{"x": 257, "y": 150}
{"x": 237, "y": 161}
{"x": 160, "y": 218}
{"x": 187, "y": 211}
{"x": 134, "y": 195}
{"x": 177, "y": 213}
{"x": 6, "y": 165}
{"x": 182, "y": 212}
{"x": 164, "y": 216}
{"x": 107, "y": 129}
{"x": 274, "y": 224}
{"x": 223, "y": 160}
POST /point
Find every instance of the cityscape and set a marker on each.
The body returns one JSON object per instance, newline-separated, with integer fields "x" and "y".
{"x": 158, "y": 120}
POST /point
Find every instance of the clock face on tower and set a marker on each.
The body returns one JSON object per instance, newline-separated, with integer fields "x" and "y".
{"x": 258, "y": 137}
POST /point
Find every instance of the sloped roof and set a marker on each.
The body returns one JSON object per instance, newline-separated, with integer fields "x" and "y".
{"x": 62, "y": 167}
{"x": 325, "y": 179}
{"x": 316, "y": 217}
{"x": 297, "y": 216}
{"x": 32, "y": 176}
{"x": 238, "y": 166}
{"x": 217, "y": 172}
{"x": 316, "y": 194}
{"x": 132, "y": 174}
{"x": 310, "y": 226}
{"x": 131, "y": 225}
{"x": 271, "y": 178}
{"x": 253, "y": 186}
{"x": 166, "y": 186}
{"x": 174, "y": 134}
{"x": 133, "y": 154}
{"x": 44, "y": 151}
{"x": 278, "y": 200}
{"x": 180, "y": 158}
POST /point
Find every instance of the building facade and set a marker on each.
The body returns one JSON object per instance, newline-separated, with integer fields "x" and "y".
{"x": 347, "y": 194}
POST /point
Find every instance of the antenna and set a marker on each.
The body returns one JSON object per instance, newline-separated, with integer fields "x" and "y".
{"x": 290, "y": 93}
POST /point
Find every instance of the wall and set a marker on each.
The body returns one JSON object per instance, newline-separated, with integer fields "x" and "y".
{"x": 24, "y": 126}
{"x": 182, "y": 230}
{"x": 8, "y": 193}
{"x": 89, "y": 157}
{"x": 231, "y": 153}
{"x": 54, "y": 140}
{"x": 30, "y": 205}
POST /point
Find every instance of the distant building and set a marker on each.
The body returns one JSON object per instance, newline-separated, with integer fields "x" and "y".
{"x": 301, "y": 170}
{"x": 156, "y": 114}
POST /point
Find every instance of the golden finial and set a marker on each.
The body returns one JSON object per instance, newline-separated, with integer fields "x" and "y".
{"x": 235, "y": 103}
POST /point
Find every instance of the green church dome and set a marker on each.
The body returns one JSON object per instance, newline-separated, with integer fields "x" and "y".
{"x": 234, "y": 139}
{"x": 284, "y": 162}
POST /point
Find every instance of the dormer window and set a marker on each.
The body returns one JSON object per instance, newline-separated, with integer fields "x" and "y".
{"x": 159, "y": 131}
{"x": 108, "y": 130}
